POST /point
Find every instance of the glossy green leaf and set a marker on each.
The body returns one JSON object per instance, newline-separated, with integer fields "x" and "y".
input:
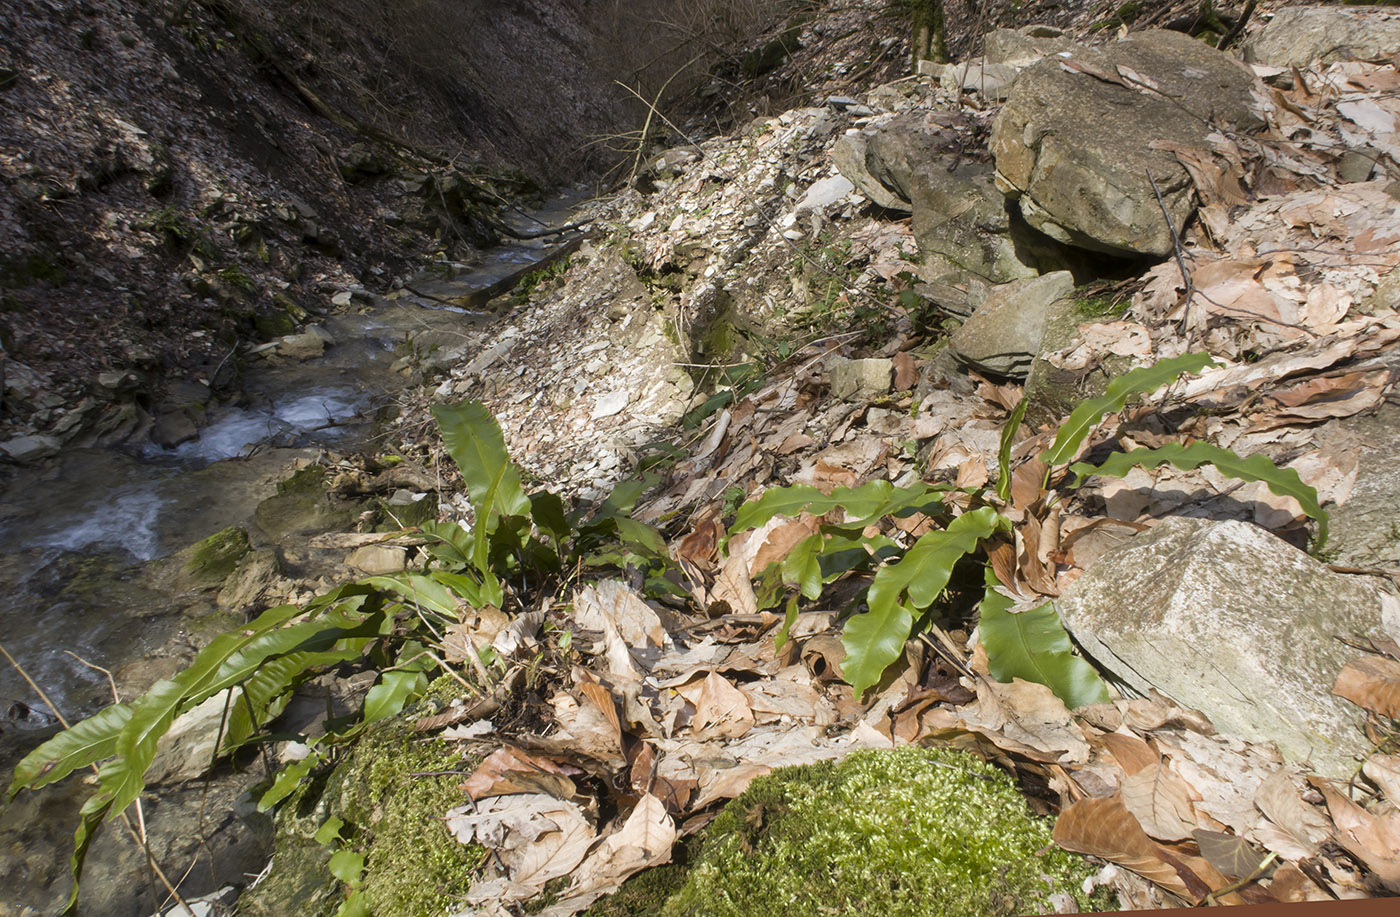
{"x": 1008, "y": 439}
{"x": 474, "y": 440}
{"x": 1258, "y": 467}
{"x": 288, "y": 779}
{"x": 547, "y": 512}
{"x": 868, "y": 502}
{"x": 789, "y": 619}
{"x": 875, "y": 639}
{"x": 356, "y": 905}
{"x": 78, "y": 746}
{"x": 1144, "y": 380}
{"x": 422, "y": 591}
{"x": 395, "y": 689}
{"x": 94, "y": 812}
{"x": 1034, "y": 646}
{"x": 151, "y": 715}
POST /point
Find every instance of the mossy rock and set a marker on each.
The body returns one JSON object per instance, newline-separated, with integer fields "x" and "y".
{"x": 208, "y": 563}
{"x": 301, "y": 506}
{"x": 392, "y": 812}
{"x": 911, "y": 831}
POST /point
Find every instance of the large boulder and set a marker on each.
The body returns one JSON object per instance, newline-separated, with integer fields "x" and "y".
{"x": 1003, "y": 336}
{"x": 1225, "y": 618}
{"x": 1304, "y": 35}
{"x": 1074, "y": 143}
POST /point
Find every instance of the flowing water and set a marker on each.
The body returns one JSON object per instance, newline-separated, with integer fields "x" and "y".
{"x": 77, "y": 535}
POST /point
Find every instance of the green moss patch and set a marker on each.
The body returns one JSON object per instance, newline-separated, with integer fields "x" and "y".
{"x": 211, "y": 561}
{"x": 905, "y": 832}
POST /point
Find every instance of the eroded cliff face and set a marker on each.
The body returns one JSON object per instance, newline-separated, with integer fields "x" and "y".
{"x": 180, "y": 180}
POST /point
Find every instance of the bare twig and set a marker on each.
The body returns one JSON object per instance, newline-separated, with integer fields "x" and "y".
{"x": 1177, "y": 250}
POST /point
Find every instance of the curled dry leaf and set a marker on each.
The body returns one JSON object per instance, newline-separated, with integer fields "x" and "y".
{"x": 1131, "y": 753}
{"x": 1304, "y": 827}
{"x": 1372, "y": 839}
{"x": 537, "y": 838}
{"x": 1372, "y": 682}
{"x": 644, "y": 840}
{"x": 509, "y": 770}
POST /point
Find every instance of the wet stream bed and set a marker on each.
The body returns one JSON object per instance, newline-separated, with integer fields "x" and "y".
{"x": 89, "y": 588}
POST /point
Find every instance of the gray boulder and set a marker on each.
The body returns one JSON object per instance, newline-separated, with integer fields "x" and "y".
{"x": 1074, "y": 148}
{"x": 1227, "y": 619}
{"x": 1302, "y": 35}
{"x": 1024, "y": 45}
{"x": 1003, "y": 336}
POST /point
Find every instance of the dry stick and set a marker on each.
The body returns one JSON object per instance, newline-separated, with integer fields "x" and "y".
{"x": 138, "y": 838}
{"x": 1176, "y": 249}
{"x": 1234, "y": 32}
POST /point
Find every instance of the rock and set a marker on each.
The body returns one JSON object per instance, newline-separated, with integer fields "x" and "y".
{"x": 186, "y": 751}
{"x": 246, "y": 585}
{"x": 308, "y": 345}
{"x": 1003, "y": 336}
{"x": 1075, "y": 150}
{"x": 1303, "y": 35}
{"x": 1227, "y": 619}
{"x": 378, "y": 559}
{"x": 1025, "y": 45}
{"x": 1053, "y": 392}
{"x": 1365, "y": 530}
{"x": 991, "y": 81}
{"x": 172, "y": 429}
{"x": 31, "y": 448}
{"x": 609, "y": 404}
{"x": 848, "y": 155}
{"x": 859, "y": 380}
{"x": 960, "y": 218}
{"x": 824, "y": 193}
{"x": 298, "y": 514}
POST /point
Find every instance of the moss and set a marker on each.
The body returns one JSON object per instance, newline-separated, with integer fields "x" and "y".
{"x": 905, "y": 832}
{"x": 391, "y": 814}
{"x": 413, "y": 863}
{"x": 211, "y": 561}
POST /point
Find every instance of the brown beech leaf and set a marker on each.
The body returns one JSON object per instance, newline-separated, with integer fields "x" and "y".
{"x": 1372, "y": 682}
{"x": 906, "y": 371}
{"x": 1161, "y": 802}
{"x": 510, "y": 770}
{"x": 1131, "y": 753}
{"x": 1105, "y": 828}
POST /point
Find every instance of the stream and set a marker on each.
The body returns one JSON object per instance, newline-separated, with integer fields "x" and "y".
{"x": 81, "y": 539}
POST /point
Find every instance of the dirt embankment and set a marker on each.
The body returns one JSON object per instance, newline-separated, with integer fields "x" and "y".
{"x": 179, "y": 180}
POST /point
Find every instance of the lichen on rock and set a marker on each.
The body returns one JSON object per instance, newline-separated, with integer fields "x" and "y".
{"x": 902, "y": 832}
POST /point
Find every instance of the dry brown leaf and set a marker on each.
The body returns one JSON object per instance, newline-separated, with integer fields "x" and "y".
{"x": 1026, "y": 718}
{"x": 1305, "y": 827}
{"x": 510, "y": 770}
{"x": 610, "y": 601}
{"x": 780, "y": 542}
{"x": 537, "y": 837}
{"x": 1291, "y": 885}
{"x": 1384, "y": 772}
{"x": 1372, "y": 839}
{"x": 1131, "y": 753}
{"x": 1160, "y": 801}
{"x": 720, "y": 708}
{"x": 906, "y": 371}
{"x": 585, "y": 732}
{"x": 477, "y": 629}
{"x": 1372, "y": 682}
{"x": 1105, "y": 828}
